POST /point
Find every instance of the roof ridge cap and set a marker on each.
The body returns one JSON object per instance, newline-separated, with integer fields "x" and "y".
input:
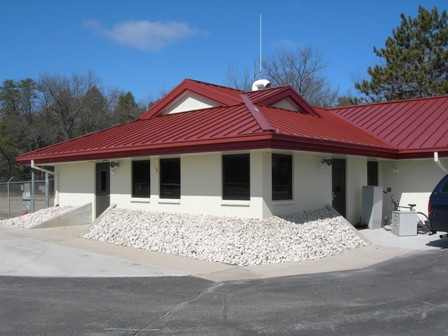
{"x": 213, "y": 84}
{"x": 385, "y": 102}
{"x": 257, "y": 114}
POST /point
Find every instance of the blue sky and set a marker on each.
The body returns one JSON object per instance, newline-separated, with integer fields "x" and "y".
{"x": 146, "y": 46}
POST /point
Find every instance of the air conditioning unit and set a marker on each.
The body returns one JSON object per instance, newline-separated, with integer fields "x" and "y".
{"x": 372, "y": 207}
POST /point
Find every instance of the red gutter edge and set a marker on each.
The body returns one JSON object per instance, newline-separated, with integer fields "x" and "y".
{"x": 268, "y": 140}
{"x": 281, "y": 141}
{"x": 259, "y": 117}
{"x": 200, "y": 148}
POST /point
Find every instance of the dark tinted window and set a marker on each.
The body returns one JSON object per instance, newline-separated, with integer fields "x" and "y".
{"x": 103, "y": 186}
{"x": 236, "y": 177}
{"x": 141, "y": 178}
{"x": 372, "y": 173}
{"x": 444, "y": 188}
{"x": 170, "y": 178}
{"x": 281, "y": 177}
{"x": 102, "y": 179}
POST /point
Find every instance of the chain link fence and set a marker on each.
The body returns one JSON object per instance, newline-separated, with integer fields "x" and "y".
{"x": 22, "y": 197}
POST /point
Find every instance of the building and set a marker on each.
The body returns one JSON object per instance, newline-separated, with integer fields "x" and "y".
{"x": 209, "y": 149}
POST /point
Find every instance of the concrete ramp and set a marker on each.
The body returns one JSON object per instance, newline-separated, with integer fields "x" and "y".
{"x": 81, "y": 215}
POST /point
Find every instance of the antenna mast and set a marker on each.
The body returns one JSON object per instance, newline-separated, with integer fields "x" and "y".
{"x": 261, "y": 83}
{"x": 261, "y": 62}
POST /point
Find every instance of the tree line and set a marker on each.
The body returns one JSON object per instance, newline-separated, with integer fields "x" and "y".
{"x": 54, "y": 108}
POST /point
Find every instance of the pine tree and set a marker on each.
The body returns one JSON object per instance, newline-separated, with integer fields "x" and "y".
{"x": 415, "y": 60}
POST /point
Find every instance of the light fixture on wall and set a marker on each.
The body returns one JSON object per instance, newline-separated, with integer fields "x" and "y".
{"x": 113, "y": 166}
{"x": 327, "y": 161}
{"x": 320, "y": 169}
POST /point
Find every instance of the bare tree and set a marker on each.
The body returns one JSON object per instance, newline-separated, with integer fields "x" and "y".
{"x": 64, "y": 100}
{"x": 56, "y": 108}
{"x": 18, "y": 113}
{"x": 239, "y": 78}
{"x": 303, "y": 70}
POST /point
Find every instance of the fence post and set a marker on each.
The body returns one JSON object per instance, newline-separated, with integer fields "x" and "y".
{"x": 47, "y": 187}
{"x": 9, "y": 197}
{"x": 32, "y": 191}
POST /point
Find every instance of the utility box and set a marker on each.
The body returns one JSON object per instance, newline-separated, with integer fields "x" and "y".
{"x": 404, "y": 223}
{"x": 372, "y": 207}
{"x": 26, "y": 197}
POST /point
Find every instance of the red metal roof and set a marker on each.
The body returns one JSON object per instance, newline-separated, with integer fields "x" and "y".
{"x": 247, "y": 120}
{"x": 412, "y": 126}
{"x": 328, "y": 127}
{"x": 156, "y": 135}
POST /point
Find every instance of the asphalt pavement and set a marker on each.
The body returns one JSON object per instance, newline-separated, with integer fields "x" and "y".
{"x": 54, "y": 282}
{"x": 403, "y": 296}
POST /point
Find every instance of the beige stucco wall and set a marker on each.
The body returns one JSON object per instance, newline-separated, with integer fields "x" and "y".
{"x": 75, "y": 183}
{"x": 311, "y": 185}
{"x": 201, "y": 188}
{"x": 201, "y": 185}
{"x": 411, "y": 181}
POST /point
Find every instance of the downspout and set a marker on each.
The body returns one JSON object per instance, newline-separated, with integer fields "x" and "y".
{"x": 34, "y": 166}
{"x": 440, "y": 164}
{"x": 46, "y": 171}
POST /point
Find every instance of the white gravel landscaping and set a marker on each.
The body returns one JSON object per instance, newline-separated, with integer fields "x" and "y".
{"x": 35, "y": 218}
{"x": 297, "y": 237}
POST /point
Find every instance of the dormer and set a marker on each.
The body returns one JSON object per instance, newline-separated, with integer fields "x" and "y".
{"x": 288, "y": 104}
{"x": 189, "y": 101}
{"x": 284, "y": 97}
{"x": 193, "y": 95}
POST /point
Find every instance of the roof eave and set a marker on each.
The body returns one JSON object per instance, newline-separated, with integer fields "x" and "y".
{"x": 281, "y": 141}
{"x": 426, "y": 153}
{"x": 251, "y": 142}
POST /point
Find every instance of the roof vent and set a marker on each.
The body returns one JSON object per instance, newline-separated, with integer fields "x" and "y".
{"x": 261, "y": 84}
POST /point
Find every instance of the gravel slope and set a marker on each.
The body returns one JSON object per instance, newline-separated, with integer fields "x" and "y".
{"x": 297, "y": 237}
{"x": 35, "y": 218}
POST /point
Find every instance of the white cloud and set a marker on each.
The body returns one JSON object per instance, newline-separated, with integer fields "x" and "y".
{"x": 144, "y": 35}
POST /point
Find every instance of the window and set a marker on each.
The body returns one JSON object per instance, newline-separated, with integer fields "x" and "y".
{"x": 444, "y": 188}
{"x": 236, "y": 177}
{"x": 372, "y": 173}
{"x": 103, "y": 184}
{"x": 141, "y": 178}
{"x": 281, "y": 177}
{"x": 170, "y": 178}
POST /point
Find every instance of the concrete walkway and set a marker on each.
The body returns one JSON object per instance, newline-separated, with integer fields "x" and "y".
{"x": 62, "y": 252}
